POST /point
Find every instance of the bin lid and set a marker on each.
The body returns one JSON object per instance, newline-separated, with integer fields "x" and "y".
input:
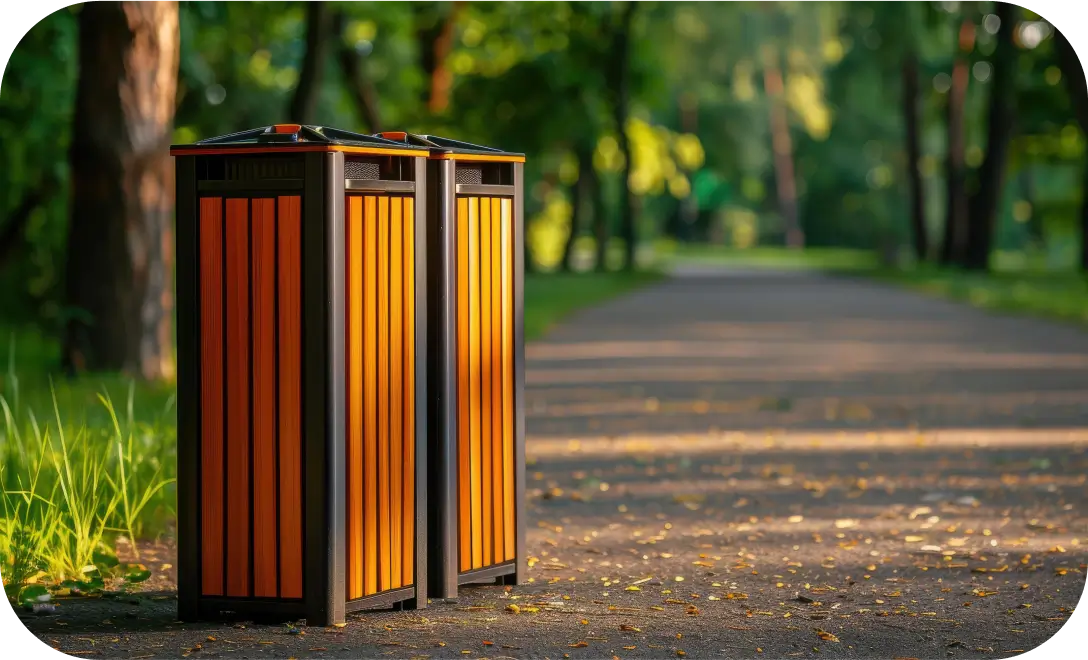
{"x": 298, "y": 137}
{"x": 449, "y": 149}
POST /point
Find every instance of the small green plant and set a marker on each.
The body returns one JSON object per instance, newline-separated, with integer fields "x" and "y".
{"x": 67, "y": 490}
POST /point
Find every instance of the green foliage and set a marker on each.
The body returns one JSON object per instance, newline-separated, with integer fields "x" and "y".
{"x": 68, "y": 489}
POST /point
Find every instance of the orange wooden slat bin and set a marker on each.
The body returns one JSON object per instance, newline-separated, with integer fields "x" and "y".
{"x": 302, "y": 384}
{"x": 476, "y": 344}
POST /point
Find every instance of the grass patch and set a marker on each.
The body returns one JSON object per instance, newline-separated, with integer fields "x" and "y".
{"x": 551, "y": 297}
{"x": 837, "y": 259}
{"x": 1060, "y": 295}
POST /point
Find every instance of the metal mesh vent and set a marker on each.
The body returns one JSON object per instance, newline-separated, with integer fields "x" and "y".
{"x": 257, "y": 169}
{"x": 469, "y": 174}
{"x": 361, "y": 169}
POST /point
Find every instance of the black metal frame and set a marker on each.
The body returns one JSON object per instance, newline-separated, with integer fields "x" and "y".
{"x": 443, "y": 190}
{"x": 324, "y": 471}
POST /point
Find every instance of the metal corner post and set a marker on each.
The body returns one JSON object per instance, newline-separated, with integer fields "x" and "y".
{"x": 423, "y": 322}
{"x": 188, "y": 370}
{"x": 322, "y": 556}
{"x": 336, "y": 475}
{"x": 521, "y": 566}
{"x": 442, "y": 270}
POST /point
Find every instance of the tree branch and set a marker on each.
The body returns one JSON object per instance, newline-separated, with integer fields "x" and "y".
{"x": 304, "y": 102}
{"x": 435, "y": 44}
{"x": 358, "y": 84}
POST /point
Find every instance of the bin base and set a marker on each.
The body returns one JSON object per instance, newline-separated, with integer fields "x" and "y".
{"x": 499, "y": 573}
{"x": 210, "y": 609}
{"x": 398, "y": 599}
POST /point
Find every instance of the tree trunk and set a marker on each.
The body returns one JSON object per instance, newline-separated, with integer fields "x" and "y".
{"x": 1073, "y": 75}
{"x": 914, "y": 156}
{"x": 355, "y": 79}
{"x": 600, "y": 227}
{"x": 955, "y": 230}
{"x": 318, "y": 28}
{"x": 581, "y": 202}
{"x": 435, "y": 43}
{"x": 785, "y": 180}
{"x": 620, "y": 85}
{"x": 984, "y": 203}
{"x": 120, "y": 237}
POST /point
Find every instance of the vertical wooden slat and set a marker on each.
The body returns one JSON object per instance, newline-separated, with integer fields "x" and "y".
{"x": 263, "y": 281}
{"x": 354, "y": 227}
{"x": 238, "y": 397}
{"x": 509, "y": 523}
{"x": 474, "y": 379}
{"x": 464, "y": 359}
{"x": 211, "y": 396}
{"x": 409, "y": 343}
{"x": 383, "y": 395}
{"x": 488, "y": 513}
{"x": 370, "y": 393}
{"x": 495, "y": 331}
{"x": 396, "y": 383}
{"x": 290, "y": 394}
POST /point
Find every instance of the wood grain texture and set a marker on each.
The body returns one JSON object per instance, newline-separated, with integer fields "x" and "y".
{"x": 509, "y": 512}
{"x": 475, "y": 467}
{"x": 354, "y": 235}
{"x": 464, "y": 439}
{"x": 495, "y": 331}
{"x": 238, "y": 398}
{"x": 211, "y": 396}
{"x": 488, "y": 512}
{"x": 396, "y": 385}
{"x": 370, "y": 392}
{"x": 289, "y": 323}
{"x": 409, "y": 343}
{"x": 384, "y": 545}
{"x": 263, "y": 283}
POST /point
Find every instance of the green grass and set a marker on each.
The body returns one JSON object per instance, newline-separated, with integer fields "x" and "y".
{"x": 1061, "y": 296}
{"x": 1020, "y": 285}
{"x": 551, "y": 297}
{"x": 839, "y": 259}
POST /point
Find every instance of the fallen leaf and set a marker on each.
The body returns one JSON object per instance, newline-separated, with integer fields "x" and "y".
{"x": 578, "y": 645}
{"x": 627, "y": 628}
{"x": 826, "y": 636}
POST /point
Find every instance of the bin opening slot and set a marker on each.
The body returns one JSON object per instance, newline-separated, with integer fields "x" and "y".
{"x": 492, "y": 174}
{"x": 249, "y": 168}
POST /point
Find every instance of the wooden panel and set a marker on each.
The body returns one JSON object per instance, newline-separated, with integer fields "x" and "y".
{"x": 354, "y": 233}
{"x": 263, "y": 283}
{"x": 238, "y": 403}
{"x": 211, "y": 396}
{"x": 488, "y": 512}
{"x": 409, "y": 343}
{"x": 495, "y": 331}
{"x": 370, "y": 389}
{"x": 464, "y": 498}
{"x": 509, "y": 528}
{"x": 289, "y": 324}
{"x": 384, "y": 545}
{"x": 475, "y": 471}
{"x": 396, "y": 383}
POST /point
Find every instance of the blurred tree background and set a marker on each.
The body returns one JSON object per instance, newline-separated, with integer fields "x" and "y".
{"x": 942, "y": 132}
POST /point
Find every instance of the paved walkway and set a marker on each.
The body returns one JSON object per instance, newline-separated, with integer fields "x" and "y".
{"x": 758, "y": 465}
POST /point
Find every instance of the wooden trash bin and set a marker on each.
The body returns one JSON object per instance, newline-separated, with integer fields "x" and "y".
{"x": 302, "y": 353}
{"x": 476, "y": 340}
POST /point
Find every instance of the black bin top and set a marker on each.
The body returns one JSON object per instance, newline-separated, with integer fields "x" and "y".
{"x": 448, "y": 149}
{"x": 289, "y": 138}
